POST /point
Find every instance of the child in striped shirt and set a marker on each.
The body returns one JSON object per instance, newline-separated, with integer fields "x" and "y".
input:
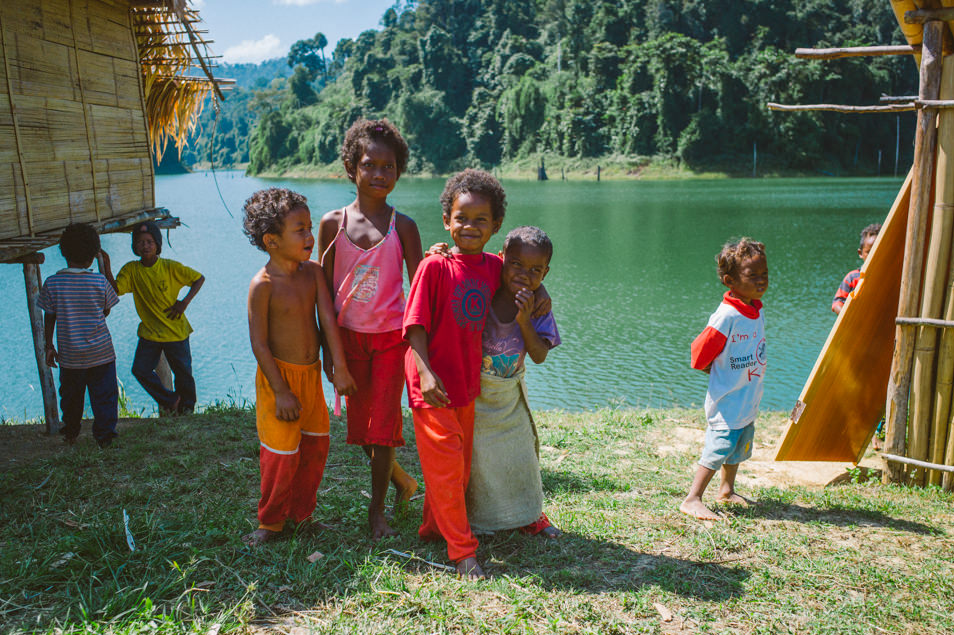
{"x": 868, "y": 236}
{"x": 76, "y": 302}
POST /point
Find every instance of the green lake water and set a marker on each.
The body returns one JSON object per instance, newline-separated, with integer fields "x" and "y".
{"x": 632, "y": 279}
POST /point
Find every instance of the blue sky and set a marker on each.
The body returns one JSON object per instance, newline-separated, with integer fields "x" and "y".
{"x": 256, "y": 30}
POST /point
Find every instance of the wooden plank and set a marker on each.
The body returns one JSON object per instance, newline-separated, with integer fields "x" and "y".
{"x": 897, "y": 423}
{"x": 855, "y": 51}
{"x": 842, "y": 400}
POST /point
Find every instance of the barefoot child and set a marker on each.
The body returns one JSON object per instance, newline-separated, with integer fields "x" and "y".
{"x": 75, "y": 302}
{"x": 290, "y": 411}
{"x": 443, "y": 322}
{"x": 732, "y": 350}
{"x": 155, "y": 284}
{"x": 505, "y": 490}
{"x": 363, "y": 248}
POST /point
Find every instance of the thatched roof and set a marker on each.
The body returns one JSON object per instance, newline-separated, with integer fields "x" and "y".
{"x": 177, "y": 69}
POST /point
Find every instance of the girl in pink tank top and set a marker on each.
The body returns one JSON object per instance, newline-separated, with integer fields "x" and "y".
{"x": 362, "y": 247}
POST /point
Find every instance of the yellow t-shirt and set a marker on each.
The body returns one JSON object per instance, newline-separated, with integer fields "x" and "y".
{"x": 154, "y": 290}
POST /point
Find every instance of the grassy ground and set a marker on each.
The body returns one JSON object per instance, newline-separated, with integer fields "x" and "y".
{"x": 856, "y": 558}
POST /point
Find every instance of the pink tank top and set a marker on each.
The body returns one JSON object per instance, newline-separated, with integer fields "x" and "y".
{"x": 369, "y": 283}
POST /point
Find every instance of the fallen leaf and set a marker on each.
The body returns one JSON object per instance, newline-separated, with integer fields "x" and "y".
{"x": 365, "y": 494}
{"x": 664, "y": 613}
{"x": 66, "y": 558}
{"x": 315, "y": 557}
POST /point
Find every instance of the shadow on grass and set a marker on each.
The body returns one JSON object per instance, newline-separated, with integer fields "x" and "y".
{"x": 571, "y": 482}
{"x": 833, "y": 515}
{"x": 579, "y": 563}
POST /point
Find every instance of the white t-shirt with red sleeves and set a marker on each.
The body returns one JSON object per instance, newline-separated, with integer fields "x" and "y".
{"x": 734, "y": 344}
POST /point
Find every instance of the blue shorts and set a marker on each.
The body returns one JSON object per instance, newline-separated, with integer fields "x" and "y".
{"x": 727, "y": 447}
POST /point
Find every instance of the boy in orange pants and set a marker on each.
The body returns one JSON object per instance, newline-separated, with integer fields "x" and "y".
{"x": 290, "y": 411}
{"x": 443, "y": 322}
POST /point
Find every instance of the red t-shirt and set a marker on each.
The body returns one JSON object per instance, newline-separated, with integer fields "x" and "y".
{"x": 450, "y": 297}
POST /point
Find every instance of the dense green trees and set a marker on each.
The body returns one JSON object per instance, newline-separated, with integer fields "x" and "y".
{"x": 484, "y": 81}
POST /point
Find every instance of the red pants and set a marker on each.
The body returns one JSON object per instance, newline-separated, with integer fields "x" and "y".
{"x": 293, "y": 453}
{"x": 445, "y": 441}
{"x": 376, "y": 361}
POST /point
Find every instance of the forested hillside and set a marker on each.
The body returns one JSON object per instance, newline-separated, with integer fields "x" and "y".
{"x": 481, "y": 82}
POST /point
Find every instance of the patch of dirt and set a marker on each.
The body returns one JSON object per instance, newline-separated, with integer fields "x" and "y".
{"x": 762, "y": 470}
{"x": 25, "y": 444}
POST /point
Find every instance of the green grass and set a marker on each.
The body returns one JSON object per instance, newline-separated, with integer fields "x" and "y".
{"x": 857, "y": 558}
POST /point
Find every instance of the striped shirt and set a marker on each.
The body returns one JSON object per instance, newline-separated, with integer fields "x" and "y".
{"x": 845, "y": 288}
{"x": 79, "y": 299}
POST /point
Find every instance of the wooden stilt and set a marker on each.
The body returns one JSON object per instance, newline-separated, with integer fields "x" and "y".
{"x": 923, "y": 396}
{"x": 899, "y": 381}
{"x": 32, "y": 280}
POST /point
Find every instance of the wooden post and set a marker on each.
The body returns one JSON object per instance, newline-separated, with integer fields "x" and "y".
{"x": 923, "y": 395}
{"x": 925, "y": 141}
{"x": 597, "y": 173}
{"x": 32, "y": 281}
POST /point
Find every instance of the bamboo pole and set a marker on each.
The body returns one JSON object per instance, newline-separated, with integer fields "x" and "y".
{"x": 32, "y": 280}
{"x": 920, "y": 16}
{"x": 897, "y": 99}
{"x": 842, "y": 108}
{"x": 923, "y": 429}
{"x": 899, "y": 381}
{"x": 854, "y": 51}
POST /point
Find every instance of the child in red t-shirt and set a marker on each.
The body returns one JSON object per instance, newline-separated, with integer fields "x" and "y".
{"x": 443, "y": 323}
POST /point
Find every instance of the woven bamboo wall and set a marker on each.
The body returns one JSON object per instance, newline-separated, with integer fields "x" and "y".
{"x": 77, "y": 148}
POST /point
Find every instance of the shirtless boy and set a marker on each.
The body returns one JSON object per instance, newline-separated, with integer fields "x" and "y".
{"x": 290, "y": 410}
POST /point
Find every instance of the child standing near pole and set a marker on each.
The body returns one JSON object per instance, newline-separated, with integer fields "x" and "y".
{"x": 155, "y": 284}
{"x": 363, "y": 248}
{"x": 443, "y": 322}
{"x": 290, "y": 411}
{"x": 731, "y": 350}
{"x": 76, "y": 302}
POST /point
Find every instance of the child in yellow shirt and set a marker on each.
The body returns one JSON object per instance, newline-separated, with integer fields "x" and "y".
{"x": 155, "y": 284}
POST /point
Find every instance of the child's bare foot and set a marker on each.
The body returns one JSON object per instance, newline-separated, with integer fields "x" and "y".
{"x": 876, "y": 444}
{"x": 404, "y": 492}
{"x": 379, "y": 526}
{"x": 734, "y": 499}
{"x": 551, "y": 532}
{"x": 259, "y": 537}
{"x": 468, "y": 568}
{"x": 311, "y": 524}
{"x": 697, "y": 509}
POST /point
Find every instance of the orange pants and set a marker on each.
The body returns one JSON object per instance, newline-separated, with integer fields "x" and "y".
{"x": 445, "y": 441}
{"x": 293, "y": 453}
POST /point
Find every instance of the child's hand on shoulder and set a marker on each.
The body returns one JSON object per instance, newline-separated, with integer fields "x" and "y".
{"x": 438, "y": 249}
{"x": 287, "y": 406}
{"x": 542, "y": 304}
{"x": 343, "y": 382}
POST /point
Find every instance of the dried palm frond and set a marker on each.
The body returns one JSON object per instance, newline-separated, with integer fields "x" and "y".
{"x": 169, "y": 49}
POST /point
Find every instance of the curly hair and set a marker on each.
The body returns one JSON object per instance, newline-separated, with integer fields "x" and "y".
{"x": 79, "y": 243}
{"x": 475, "y": 182}
{"x": 265, "y": 212}
{"x": 729, "y": 260}
{"x": 871, "y": 230}
{"x": 531, "y": 237}
{"x": 362, "y": 132}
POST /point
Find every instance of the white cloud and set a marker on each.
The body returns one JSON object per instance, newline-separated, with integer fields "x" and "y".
{"x": 254, "y": 51}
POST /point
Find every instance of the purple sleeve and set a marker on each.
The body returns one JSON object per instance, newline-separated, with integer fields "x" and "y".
{"x": 546, "y": 328}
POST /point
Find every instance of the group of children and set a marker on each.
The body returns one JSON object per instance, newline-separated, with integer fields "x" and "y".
{"x": 375, "y": 342}
{"x": 457, "y": 342}
{"x": 76, "y": 302}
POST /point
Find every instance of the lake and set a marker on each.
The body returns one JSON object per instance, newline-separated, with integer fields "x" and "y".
{"x": 633, "y": 280}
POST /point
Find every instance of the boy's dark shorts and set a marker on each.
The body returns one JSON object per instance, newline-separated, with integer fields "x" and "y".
{"x": 727, "y": 447}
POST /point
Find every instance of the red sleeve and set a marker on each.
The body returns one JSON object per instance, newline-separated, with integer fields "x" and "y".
{"x": 418, "y": 311}
{"x": 706, "y": 347}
